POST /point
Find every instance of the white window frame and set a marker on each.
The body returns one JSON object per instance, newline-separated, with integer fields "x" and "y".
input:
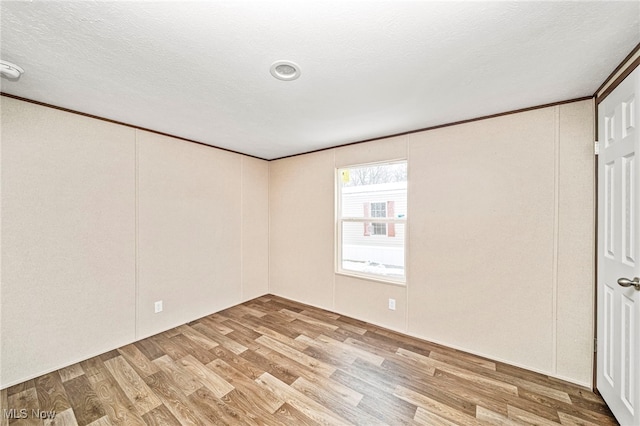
{"x": 340, "y": 220}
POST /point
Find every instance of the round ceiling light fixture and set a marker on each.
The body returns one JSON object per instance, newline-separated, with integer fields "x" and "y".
{"x": 285, "y": 70}
{"x": 9, "y": 70}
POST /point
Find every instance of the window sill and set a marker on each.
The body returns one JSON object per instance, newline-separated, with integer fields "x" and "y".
{"x": 373, "y": 278}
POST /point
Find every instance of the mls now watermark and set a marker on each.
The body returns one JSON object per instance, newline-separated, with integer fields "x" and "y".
{"x": 14, "y": 413}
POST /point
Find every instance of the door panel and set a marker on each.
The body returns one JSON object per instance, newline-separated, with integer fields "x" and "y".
{"x": 607, "y": 335}
{"x": 619, "y": 307}
{"x": 628, "y": 208}
{"x": 609, "y": 211}
{"x": 629, "y": 356}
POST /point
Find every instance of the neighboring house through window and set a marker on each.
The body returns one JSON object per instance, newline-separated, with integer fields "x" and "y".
{"x": 384, "y": 209}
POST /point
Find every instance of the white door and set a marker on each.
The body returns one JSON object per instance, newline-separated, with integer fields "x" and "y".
{"x": 618, "y": 251}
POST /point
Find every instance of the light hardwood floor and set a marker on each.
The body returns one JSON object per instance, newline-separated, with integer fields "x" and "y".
{"x": 272, "y": 361}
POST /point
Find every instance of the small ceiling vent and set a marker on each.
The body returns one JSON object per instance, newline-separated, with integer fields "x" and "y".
{"x": 285, "y": 70}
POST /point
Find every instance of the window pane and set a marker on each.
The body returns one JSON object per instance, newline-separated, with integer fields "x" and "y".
{"x": 367, "y": 252}
{"x": 379, "y": 228}
{"x": 370, "y": 193}
{"x": 374, "y": 191}
{"x": 379, "y": 209}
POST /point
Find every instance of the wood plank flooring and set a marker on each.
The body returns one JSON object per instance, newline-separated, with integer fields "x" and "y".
{"x": 271, "y": 361}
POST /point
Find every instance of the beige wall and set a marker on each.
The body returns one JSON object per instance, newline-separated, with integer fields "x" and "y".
{"x": 85, "y": 203}
{"x": 500, "y": 238}
{"x": 301, "y": 228}
{"x": 482, "y": 231}
{"x": 68, "y": 239}
{"x": 576, "y": 241}
{"x": 255, "y": 228}
{"x": 188, "y": 231}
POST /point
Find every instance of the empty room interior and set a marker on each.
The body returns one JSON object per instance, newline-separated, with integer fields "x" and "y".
{"x": 323, "y": 212}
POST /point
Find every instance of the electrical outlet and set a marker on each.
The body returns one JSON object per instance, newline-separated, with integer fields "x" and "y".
{"x": 392, "y": 304}
{"x": 158, "y": 306}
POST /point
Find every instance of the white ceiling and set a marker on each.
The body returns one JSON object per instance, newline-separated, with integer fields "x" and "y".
{"x": 200, "y": 70}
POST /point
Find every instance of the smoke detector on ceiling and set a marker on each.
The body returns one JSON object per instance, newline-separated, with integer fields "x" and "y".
{"x": 9, "y": 70}
{"x": 285, "y": 70}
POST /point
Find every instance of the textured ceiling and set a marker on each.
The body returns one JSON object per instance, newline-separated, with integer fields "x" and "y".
{"x": 200, "y": 70}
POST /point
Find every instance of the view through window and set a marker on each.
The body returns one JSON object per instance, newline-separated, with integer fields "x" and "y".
{"x": 372, "y": 214}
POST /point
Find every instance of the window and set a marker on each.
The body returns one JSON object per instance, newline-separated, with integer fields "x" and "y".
{"x": 379, "y": 229}
{"x": 379, "y": 210}
{"x": 371, "y": 220}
